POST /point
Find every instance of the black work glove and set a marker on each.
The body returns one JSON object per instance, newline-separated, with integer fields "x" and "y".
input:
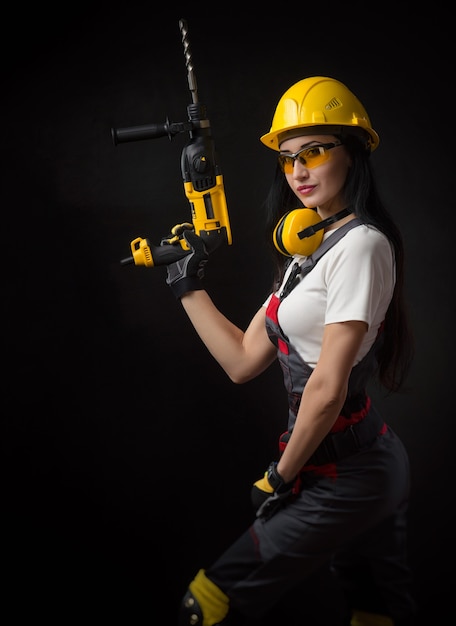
{"x": 185, "y": 274}
{"x": 270, "y": 492}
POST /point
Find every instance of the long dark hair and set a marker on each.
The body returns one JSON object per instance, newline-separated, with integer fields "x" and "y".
{"x": 397, "y": 348}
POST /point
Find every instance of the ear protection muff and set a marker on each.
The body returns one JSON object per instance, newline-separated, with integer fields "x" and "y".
{"x": 285, "y": 235}
{"x": 300, "y": 231}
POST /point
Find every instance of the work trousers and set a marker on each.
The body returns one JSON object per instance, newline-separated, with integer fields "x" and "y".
{"x": 353, "y": 519}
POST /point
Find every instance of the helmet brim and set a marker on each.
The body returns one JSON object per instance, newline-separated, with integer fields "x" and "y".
{"x": 275, "y": 138}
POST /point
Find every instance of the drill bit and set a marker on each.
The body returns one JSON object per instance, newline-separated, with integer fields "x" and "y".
{"x": 188, "y": 61}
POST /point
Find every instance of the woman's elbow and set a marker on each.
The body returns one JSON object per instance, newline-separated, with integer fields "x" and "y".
{"x": 239, "y": 378}
{"x": 241, "y": 375}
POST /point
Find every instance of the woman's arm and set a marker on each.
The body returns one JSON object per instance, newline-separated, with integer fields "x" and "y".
{"x": 323, "y": 396}
{"x": 242, "y": 355}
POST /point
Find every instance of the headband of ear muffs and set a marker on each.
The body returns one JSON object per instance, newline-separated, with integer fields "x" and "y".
{"x": 300, "y": 231}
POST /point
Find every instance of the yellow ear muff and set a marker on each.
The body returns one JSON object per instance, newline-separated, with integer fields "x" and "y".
{"x": 285, "y": 235}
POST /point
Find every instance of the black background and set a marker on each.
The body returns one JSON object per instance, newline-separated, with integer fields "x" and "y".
{"x": 128, "y": 455}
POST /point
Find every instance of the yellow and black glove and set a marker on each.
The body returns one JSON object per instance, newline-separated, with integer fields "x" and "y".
{"x": 270, "y": 492}
{"x": 186, "y": 274}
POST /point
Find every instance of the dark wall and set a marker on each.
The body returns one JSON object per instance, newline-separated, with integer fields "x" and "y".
{"x": 128, "y": 454}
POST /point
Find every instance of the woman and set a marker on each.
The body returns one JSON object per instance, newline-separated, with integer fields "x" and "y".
{"x": 335, "y": 321}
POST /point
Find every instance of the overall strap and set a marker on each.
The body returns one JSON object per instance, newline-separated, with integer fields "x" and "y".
{"x": 299, "y": 271}
{"x": 329, "y": 242}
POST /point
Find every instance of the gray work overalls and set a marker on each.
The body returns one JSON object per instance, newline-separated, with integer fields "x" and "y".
{"x": 348, "y": 507}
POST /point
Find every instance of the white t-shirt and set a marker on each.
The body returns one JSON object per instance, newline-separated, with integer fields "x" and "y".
{"x": 354, "y": 280}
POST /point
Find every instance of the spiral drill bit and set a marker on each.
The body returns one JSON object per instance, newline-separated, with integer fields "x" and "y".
{"x": 188, "y": 61}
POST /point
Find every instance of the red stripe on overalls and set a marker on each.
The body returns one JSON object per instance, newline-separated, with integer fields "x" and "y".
{"x": 272, "y": 313}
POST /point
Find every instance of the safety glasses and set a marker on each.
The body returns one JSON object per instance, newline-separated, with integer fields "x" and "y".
{"x": 309, "y": 157}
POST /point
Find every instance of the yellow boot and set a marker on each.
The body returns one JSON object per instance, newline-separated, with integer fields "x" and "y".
{"x": 362, "y": 618}
{"x": 204, "y": 604}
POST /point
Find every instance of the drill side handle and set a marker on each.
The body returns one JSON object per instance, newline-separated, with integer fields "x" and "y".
{"x": 149, "y": 131}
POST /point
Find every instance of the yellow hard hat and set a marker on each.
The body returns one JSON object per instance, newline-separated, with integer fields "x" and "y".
{"x": 319, "y": 102}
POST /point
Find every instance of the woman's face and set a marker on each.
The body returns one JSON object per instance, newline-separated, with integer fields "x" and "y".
{"x": 317, "y": 177}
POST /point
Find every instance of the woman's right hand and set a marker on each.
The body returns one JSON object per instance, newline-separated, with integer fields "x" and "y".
{"x": 187, "y": 273}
